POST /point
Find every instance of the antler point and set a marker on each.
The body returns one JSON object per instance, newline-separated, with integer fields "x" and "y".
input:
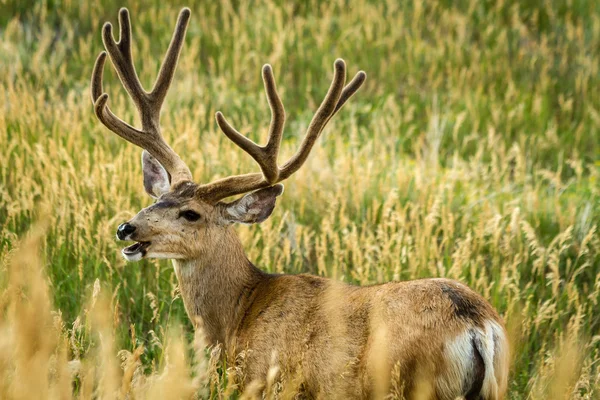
{"x": 99, "y": 104}
{"x": 107, "y": 32}
{"x": 221, "y": 120}
{"x": 103, "y": 98}
{"x": 184, "y": 15}
{"x": 219, "y": 115}
{"x": 267, "y": 72}
{"x": 339, "y": 67}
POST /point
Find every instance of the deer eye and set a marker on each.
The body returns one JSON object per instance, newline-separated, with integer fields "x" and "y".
{"x": 190, "y": 215}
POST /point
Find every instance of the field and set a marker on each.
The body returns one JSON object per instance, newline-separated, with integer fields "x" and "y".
{"x": 472, "y": 152}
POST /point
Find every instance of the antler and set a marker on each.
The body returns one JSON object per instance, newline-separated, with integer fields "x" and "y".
{"x": 147, "y": 103}
{"x": 266, "y": 156}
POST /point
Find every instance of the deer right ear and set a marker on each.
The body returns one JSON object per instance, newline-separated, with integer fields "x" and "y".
{"x": 254, "y": 207}
{"x": 156, "y": 178}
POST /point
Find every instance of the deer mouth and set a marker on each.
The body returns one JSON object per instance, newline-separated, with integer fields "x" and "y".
{"x": 136, "y": 251}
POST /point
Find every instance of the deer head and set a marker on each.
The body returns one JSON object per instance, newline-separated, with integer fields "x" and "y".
{"x": 190, "y": 220}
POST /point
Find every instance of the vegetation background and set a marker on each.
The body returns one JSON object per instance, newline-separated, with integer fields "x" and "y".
{"x": 472, "y": 152}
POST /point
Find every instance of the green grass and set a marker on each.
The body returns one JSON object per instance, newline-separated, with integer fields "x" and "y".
{"x": 472, "y": 152}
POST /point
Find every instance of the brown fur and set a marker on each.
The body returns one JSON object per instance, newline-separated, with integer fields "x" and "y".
{"x": 332, "y": 337}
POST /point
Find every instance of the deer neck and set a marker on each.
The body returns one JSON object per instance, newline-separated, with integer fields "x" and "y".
{"x": 218, "y": 287}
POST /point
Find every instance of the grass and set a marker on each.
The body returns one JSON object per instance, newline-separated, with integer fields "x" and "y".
{"x": 472, "y": 152}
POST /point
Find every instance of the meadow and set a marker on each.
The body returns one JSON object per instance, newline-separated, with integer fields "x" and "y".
{"x": 472, "y": 152}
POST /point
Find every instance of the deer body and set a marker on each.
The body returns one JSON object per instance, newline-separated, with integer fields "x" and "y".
{"x": 324, "y": 334}
{"x": 431, "y": 338}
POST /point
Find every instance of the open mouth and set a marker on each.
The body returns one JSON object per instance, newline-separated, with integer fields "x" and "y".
{"x": 136, "y": 251}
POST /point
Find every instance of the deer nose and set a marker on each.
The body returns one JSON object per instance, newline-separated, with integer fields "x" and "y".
{"x": 124, "y": 230}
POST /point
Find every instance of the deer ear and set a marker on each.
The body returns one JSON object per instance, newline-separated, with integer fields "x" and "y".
{"x": 156, "y": 178}
{"x": 254, "y": 207}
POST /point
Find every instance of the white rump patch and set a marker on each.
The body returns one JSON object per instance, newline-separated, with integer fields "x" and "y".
{"x": 459, "y": 354}
{"x": 496, "y": 377}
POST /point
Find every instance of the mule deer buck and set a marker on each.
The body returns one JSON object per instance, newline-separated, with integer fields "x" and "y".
{"x": 441, "y": 338}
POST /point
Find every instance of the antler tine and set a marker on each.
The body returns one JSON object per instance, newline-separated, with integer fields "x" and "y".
{"x": 350, "y": 89}
{"x": 99, "y": 98}
{"x": 97, "y": 72}
{"x": 167, "y": 69}
{"x": 320, "y": 119}
{"x": 277, "y": 112}
{"x": 336, "y": 97}
{"x": 266, "y": 157}
{"x": 120, "y": 54}
{"x": 148, "y": 104}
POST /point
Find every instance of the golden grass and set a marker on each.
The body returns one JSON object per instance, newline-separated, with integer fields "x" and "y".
{"x": 472, "y": 153}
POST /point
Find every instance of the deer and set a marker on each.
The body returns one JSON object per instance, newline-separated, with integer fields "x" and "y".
{"x": 438, "y": 337}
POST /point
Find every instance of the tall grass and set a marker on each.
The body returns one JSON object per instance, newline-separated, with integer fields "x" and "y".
{"x": 473, "y": 153}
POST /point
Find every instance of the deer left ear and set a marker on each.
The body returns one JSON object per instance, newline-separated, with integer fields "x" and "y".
{"x": 156, "y": 178}
{"x": 254, "y": 207}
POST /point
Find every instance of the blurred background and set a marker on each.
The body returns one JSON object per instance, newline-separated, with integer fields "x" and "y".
{"x": 472, "y": 152}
